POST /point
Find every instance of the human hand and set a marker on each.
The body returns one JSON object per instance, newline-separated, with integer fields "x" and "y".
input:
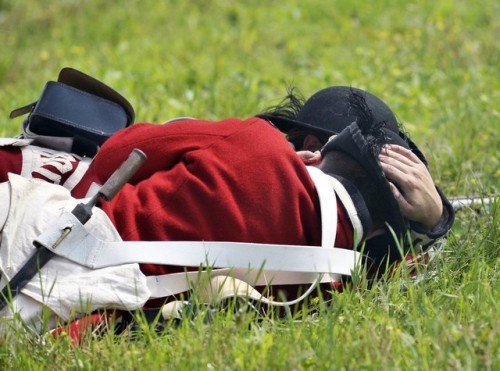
{"x": 412, "y": 185}
{"x": 310, "y": 158}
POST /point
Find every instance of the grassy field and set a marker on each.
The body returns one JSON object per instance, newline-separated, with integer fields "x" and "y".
{"x": 436, "y": 63}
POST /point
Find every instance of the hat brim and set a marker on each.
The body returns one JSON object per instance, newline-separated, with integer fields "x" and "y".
{"x": 285, "y": 124}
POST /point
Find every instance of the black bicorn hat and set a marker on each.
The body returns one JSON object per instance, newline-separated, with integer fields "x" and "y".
{"x": 329, "y": 111}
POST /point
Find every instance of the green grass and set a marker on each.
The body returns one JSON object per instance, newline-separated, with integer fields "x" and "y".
{"x": 436, "y": 63}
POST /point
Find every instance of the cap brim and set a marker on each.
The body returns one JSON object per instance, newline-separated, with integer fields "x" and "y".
{"x": 285, "y": 124}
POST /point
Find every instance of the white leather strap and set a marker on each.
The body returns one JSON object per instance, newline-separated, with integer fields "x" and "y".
{"x": 85, "y": 249}
{"x": 328, "y": 205}
{"x": 348, "y": 204}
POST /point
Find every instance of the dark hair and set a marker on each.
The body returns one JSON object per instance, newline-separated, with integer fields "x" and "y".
{"x": 343, "y": 165}
{"x": 289, "y": 107}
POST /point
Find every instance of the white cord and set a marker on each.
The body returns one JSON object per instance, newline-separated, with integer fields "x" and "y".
{"x": 298, "y": 300}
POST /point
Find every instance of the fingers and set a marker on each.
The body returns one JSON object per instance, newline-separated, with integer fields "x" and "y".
{"x": 310, "y": 158}
{"x": 398, "y": 165}
{"x": 405, "y": 207}
{"x": 412, "y": 179}
{"x": 412, "y": 186}
{"x": 401, "y": 153}
{"x": 395, "y": 170}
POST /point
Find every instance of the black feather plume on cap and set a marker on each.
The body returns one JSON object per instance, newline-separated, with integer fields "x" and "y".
{"x": 363, "y": 140}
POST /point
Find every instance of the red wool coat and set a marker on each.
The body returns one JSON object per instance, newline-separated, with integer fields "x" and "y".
{"x": 233, "y": 180}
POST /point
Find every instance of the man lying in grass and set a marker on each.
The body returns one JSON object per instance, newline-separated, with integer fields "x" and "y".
{"x": 232, "y": 180}
{"x": 308, "y": 125}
